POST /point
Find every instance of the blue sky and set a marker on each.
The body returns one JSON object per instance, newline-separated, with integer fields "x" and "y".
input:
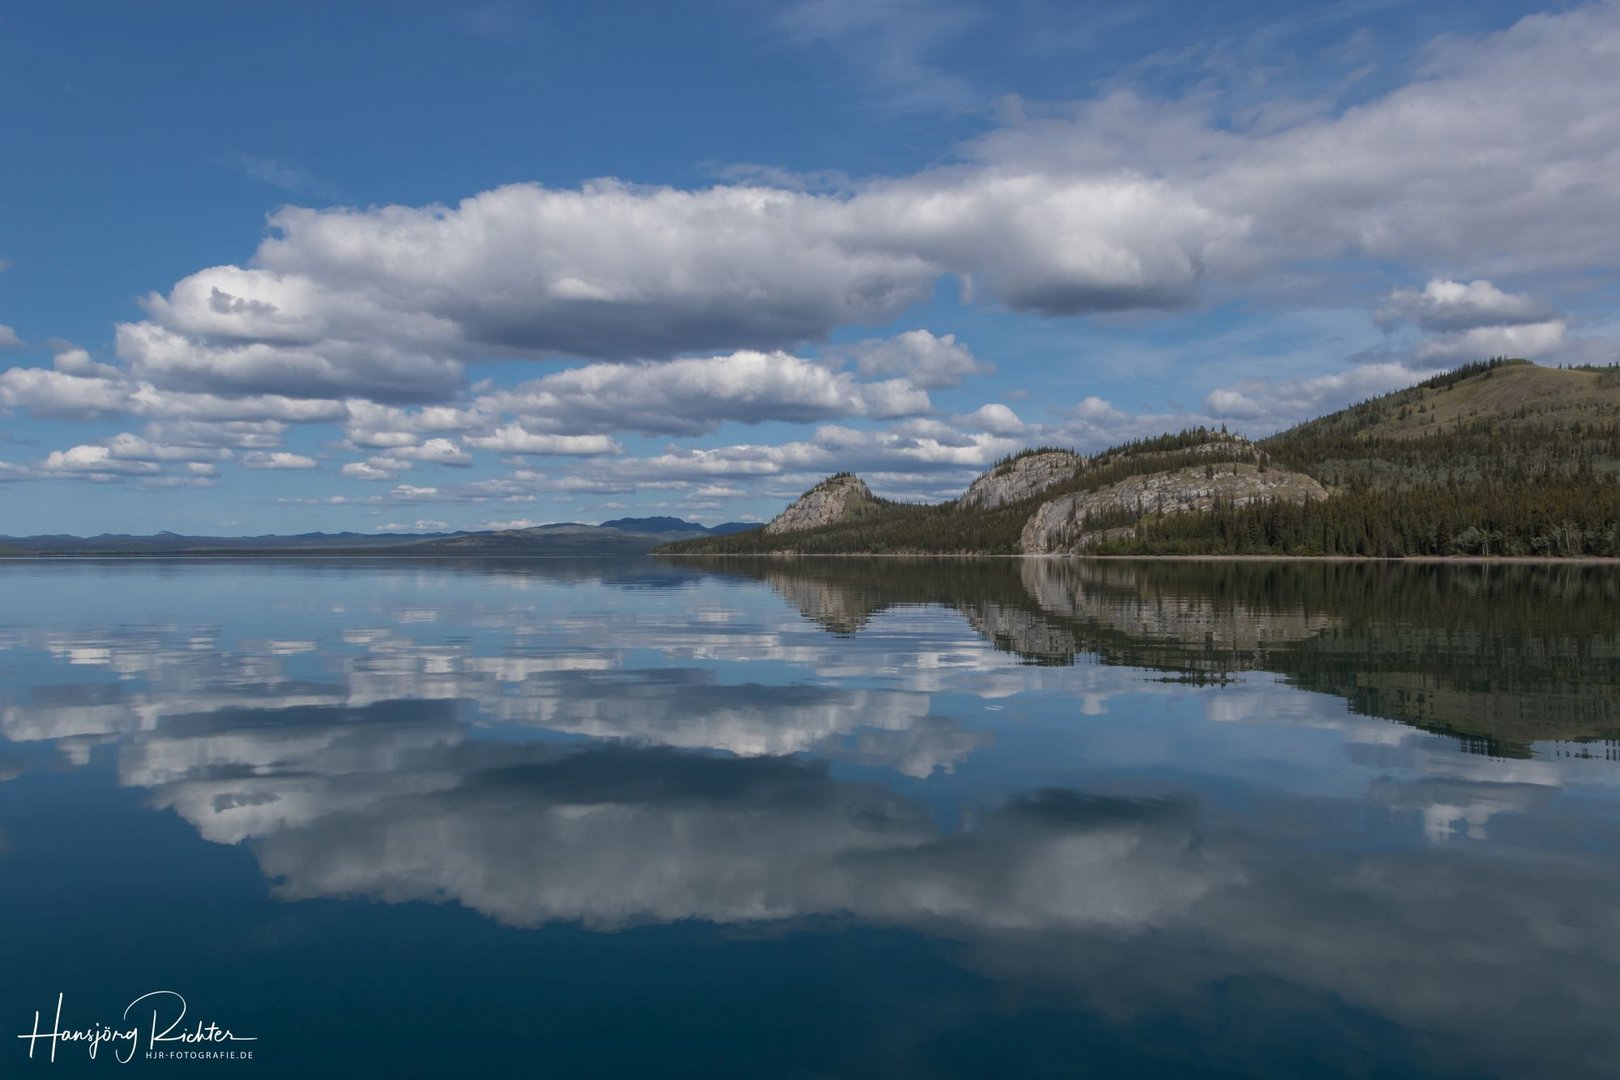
{"x": 379, "y": 266}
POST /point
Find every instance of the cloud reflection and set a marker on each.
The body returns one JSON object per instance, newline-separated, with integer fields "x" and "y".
{"x": 656, "y": 754}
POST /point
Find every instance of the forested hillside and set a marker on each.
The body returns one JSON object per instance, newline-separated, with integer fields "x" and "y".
{"x": 1497, "y": 458}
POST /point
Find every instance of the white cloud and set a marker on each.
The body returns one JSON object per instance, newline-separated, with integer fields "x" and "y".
{"x": 388, "y": 303}
{"x": 387, "y": 427}
{"x": 1096, "y": 423}
{"x": 1529, "y": 340}
{"x": 514, "y": 439}
{"x": 419, "y": 526}
{"x": 512, "y": 523}
{"x": 74, "y": 387}
{"x": 995, "y": 418}
{"x": 278, "y": 459}
{"x": 128, "y": 456}
{"x": 1485, "y": 159}
{"x": 166, "y": 481}
{"x": 367, "y": 318}
{"x": 920, "y": 455}
{"x": 691, "y": 396}
{"x": 96, "y": 462}
{"x": 9, "y": 338}
{"x": 1473, "y": 321}
{"x": 147, "y": 401}
{"x": 130, "y": 447}
{"x": 371, "y": 367}
{"x": 237, "y": 434}
{"x": 435, "y": 451}
{"x": 1121, "y": 203}
{"x": 375, "y": 468}
{"x": 1446, "y": 306}
{"x": 919, "y": 358}
{"x": 1267, "y": 404}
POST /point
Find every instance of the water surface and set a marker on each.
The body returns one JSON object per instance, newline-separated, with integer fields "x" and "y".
{"x": 817, "y": 817}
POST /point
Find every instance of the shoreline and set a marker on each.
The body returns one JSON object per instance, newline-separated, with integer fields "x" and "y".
{"x": 1505, "y": 560}
{"x": 381, "y": 556}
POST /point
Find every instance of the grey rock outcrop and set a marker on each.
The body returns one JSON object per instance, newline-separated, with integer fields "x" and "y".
{"x": 1061, "y": 524}
{"x": 837, "y": 498}
{"x": 1019, "y": 479}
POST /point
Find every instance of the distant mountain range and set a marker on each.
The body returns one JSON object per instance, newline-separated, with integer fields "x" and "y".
{"x": 621, "y": 536}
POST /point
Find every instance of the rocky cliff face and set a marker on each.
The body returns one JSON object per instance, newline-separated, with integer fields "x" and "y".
{"x": 1019, "y": 479}
{"x": 1060, "y": 525}
{"x": 837, "y": 498}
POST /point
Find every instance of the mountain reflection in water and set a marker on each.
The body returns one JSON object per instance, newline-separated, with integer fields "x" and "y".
{"x": 1124, "y": 788}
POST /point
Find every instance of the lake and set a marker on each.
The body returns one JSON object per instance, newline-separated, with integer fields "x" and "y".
{"x": 810, "y": 818}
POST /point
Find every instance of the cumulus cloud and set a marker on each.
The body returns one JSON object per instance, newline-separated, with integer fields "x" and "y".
{"x": 130, "y": 447}
{"x": 127, "y": 456}
{"x": 691, "y": 396}
{"x": 687, "y": 306}
{"x": 328, "y": 368}
{"x": 388, "y": 303}
{"x": 919, "y": 358}
{"x": 573, "y": 411}
{"x": 77, "y": 387}
{"x": 237, "y": 434}
{"x": 94, "y": 462}
{"x": 375, "y": 468}
{"x": 1485, "y": 158}
{"x": 1118, "y": 203}
{"x": 1528, "y": 340}
{"x": 9, "y": 338}
{"x": 74, "y": 387}
{"x": 1445, "y": 306}
{"x": 437, "y": 452}
{"x": 1472, "y": 321}
{"x": 995, "y": 418}
{"x": 385, "y": 427}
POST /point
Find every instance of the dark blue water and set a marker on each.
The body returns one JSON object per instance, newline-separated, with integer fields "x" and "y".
{"x": 811, "y": 819}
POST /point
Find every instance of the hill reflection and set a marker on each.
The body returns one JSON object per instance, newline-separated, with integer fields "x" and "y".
{"x": 1501, "y": 655}
{"x": 966, "y": 752}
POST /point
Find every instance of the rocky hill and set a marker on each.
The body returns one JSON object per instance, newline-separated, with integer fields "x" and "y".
{"x": 1083, "y": 519}
{"x": 1497, "y": 458}
{"x": 1020, "y": 477}
{"x": 836, "y": 500}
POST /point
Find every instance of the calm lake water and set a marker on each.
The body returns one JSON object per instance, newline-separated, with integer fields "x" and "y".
{"x": 813, "y": 818}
